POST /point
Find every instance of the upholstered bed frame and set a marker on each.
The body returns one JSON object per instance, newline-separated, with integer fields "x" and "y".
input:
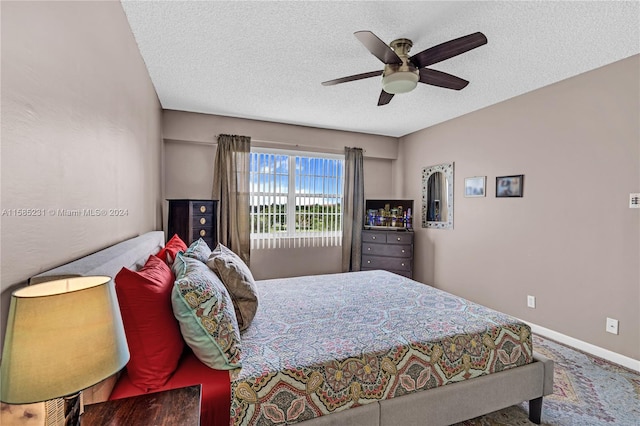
{"x": 439, "y": 406}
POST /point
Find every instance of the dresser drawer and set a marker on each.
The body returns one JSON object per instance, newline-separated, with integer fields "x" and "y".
{"x": 206, "y": 234}
{"x": 202, "y": 232}
{"x": 202, "y": 208}
{"x": 408, "y": 274}
{"x": 201, "y": 221}
{"x": 374, "y": 237}
{"x": 388, "y": 263}
{"x": 399, "y": 238}
{"x": 393, "y": 250}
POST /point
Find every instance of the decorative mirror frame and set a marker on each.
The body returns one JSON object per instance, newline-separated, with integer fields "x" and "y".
{"x": 447, "y": 170}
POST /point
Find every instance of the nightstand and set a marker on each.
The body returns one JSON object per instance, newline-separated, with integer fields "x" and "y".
{"x": 172, "y": 407}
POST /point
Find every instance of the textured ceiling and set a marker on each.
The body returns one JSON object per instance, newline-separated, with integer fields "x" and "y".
{"x": 266, "y": 60}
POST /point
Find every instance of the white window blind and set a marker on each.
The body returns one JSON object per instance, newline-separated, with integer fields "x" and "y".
{"x": 296, "y": 199}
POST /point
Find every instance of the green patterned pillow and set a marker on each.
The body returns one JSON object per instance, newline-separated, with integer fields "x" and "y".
{"x": 199, "y": 250}
{"x": 205, "y": 312}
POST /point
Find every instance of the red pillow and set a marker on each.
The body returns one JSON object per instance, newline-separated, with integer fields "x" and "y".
{"x": 152, "y": 331}
{"x": 170, "y": 250}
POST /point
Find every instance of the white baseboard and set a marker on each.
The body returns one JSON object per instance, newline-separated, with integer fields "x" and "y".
{"x": 614, "y": 357}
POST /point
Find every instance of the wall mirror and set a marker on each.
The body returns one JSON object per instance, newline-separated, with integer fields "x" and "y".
{"x": 437, "y": 196}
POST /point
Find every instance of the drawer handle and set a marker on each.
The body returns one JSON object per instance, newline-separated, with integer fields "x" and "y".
{"x": 203, "y": 209}
{"x": 398, "y": 238}
{"x": 373, "y": 238}
{"x": 403, "y": 250}
{"x": 402, "y": 264}
{"x": 203, "y": 221}
{"x": 203, "y": 232}
{"x": 368, "y": 248}
{"x": 368, "y": 261}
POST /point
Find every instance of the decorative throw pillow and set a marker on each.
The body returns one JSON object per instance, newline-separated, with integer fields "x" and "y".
{"x": 170, "y": 250}
{"x": 205, "y": 312}
{"x": 238, "y": 280}
{"x": 153, "y": 334}
{"x": 199, "y": 250}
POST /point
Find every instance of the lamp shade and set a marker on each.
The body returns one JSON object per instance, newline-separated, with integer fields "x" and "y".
{"x": 63, "y": 336}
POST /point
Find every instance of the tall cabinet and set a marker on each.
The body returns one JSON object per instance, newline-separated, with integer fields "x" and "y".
{"x": 193, "y": 219}
{"x": 389, "y": 250}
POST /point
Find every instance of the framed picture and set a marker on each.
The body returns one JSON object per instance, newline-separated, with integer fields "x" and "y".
{"x": 509, "y": 186}
{"x": 474, "y": 186}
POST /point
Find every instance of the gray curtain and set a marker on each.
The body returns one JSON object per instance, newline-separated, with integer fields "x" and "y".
{"x": 231, "y": 188}
{"x": 352, "y": 209}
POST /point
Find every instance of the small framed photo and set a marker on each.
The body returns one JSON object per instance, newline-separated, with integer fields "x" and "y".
{"x": 509, "y": 186}
{"x": 474, "y": 186}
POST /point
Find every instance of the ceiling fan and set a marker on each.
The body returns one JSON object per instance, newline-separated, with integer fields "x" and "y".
{"x": 402, "y": 73}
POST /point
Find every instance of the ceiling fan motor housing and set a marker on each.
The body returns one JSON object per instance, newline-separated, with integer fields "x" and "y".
{"x": 400, "y": 78}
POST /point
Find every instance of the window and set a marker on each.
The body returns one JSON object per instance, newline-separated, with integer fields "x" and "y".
{"x": 296, "y": 199}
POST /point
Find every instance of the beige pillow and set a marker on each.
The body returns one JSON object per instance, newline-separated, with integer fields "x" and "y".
{"x": 238, "y": 280}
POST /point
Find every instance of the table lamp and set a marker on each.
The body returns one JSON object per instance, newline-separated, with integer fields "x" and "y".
{"x": 63, "y": 336}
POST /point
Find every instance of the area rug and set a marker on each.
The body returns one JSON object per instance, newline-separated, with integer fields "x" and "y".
{"x": 586, "y": 391}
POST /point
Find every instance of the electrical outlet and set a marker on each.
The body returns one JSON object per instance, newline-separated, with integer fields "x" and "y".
{"x": 634, "y": 200}
{"x": 531, "y": 302}
{"x": 612, "y": 326}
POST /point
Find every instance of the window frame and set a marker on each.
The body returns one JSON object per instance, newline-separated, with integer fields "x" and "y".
{"x": 293, "y": 237}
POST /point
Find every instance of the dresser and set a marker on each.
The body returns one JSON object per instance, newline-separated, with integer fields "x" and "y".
{"x": 193, "y": 219}
{"x": 388, "y": 250}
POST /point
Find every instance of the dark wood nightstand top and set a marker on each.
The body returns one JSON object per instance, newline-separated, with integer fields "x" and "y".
{"x": 172, "y": 407}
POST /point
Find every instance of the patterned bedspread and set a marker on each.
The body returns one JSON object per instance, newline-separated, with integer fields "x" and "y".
{"x": 322, "y": 344}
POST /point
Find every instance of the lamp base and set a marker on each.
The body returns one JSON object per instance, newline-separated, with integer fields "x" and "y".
{"x": 72, "y": 410}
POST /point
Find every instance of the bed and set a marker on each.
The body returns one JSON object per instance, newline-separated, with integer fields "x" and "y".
{"x": 366, "y": 348}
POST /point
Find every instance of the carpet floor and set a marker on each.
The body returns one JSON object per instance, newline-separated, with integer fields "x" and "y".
{"x": 587, "y": 391}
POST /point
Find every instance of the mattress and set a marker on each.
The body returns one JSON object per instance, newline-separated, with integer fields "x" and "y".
{"x": 323, "y": 344}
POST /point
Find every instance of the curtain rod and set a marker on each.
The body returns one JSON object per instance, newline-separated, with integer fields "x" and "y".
{"x": 270, "y": 144}
{"x": 265, "y": 144}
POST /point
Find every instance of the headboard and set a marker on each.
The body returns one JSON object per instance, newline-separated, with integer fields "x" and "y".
{"x": 131, "y": 253}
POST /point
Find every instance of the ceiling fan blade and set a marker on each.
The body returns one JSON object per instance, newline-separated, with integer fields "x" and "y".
{"x": 352, "y": 78}
{"x": 377, "y": 47}
{"x": 385, "y": 98}
{"x": 448, "y": 49}
{"x": 442, "y": 79}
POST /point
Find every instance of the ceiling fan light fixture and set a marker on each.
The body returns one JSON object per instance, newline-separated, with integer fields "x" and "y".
{"x": 400, "y": 82}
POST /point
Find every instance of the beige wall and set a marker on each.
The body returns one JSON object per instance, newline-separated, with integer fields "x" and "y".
{"x": 571, "y": 241}
{"x": 81, "y": 128}
{"x": 189, "y": 155}
{"x": 193, "y": 127}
